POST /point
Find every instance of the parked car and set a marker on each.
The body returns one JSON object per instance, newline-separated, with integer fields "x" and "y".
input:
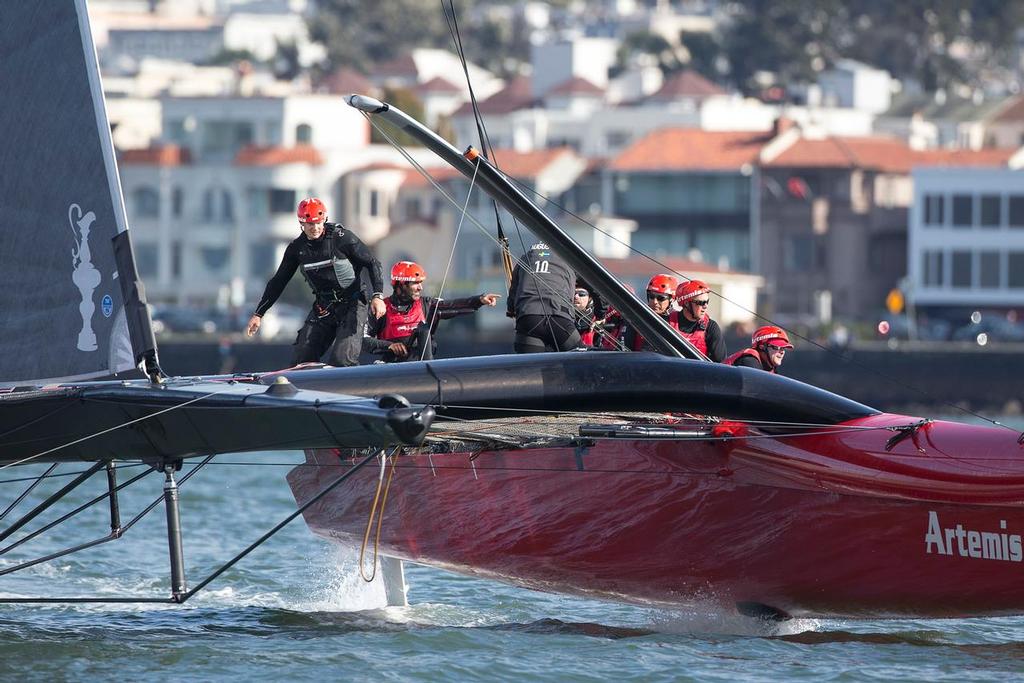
{"x": 282, "y": 321}
{"x": 996, "y": 328}
{"x": 182, "y": 319}
{"x": 898, "y": 327}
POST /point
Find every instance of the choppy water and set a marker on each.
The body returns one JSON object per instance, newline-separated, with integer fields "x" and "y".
{"x": 297, "y": 608}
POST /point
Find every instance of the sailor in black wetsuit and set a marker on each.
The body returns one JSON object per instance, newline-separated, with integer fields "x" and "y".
{"x": 540, "y": 300}
{"x": 332, "y": 260}
{"x": 406, "y": 331}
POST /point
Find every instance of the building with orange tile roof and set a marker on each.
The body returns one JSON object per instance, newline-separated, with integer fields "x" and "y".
{"x": 833, "y": 219}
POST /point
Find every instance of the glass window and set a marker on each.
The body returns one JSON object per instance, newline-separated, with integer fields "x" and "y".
{"x": 262, "y": 259}
{"x": 227, "y": 206}
{"x": 989, "y": 270}
{"x": 1015, "y": 269}
{"x": 176, "y": 131}
{"x": 176, "y": 256}
{"x": 146, "y": 259}
{"x": 798, "y": 253}
{"x": 932, "y": 261}
{"x": 374, "y": 203}
{"x": 961, "y": 269}
{"x": 963, "y": 210}
{"x": 282, "y": 201}
{"x": 616, "y": 139}
{"x": 934, "y": 206}
{"x": 303, "y": 134}
{"x": 1016, "y": 212}
{"x": 146, "y": 201}
{"x": 257, "y": 202}
{"x": 177, "y": 202}
{"x": 991, "y": 211}
{"x": 214, "y": 257}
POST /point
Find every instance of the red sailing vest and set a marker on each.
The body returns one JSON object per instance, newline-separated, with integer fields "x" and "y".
{"x": 698, "y": 337}
{"x": 587, "y": 337}
{"x": 398, "y": 325}
{"x": 731, "y": 360}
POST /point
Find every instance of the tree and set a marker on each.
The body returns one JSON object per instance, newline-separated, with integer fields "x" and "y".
{"x": 939, "y": 44}
{"x": 795, "y": 39}
{"x": 705, "y": 53}
{"x": 359, "y": 33}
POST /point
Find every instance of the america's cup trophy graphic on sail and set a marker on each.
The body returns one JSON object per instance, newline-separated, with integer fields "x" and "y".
{"x": 86, "y": 277}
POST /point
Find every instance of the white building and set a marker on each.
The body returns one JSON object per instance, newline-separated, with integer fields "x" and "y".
{"x": 966, "y": 238}
{"x": 212, "y": 208}
{"x": 557, "y": 62}
{"x": 857, "y": 86}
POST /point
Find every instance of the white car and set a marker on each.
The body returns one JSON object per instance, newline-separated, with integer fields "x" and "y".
{"x": 282, "y": 321}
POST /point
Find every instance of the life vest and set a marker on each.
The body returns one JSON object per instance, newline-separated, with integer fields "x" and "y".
{"x": 731, "y": 360}
{"x": 698, "y": 337}
{"x": 587, "y": 337}
{"x": 399, "y": 326}
{"x": 325, "y": 271}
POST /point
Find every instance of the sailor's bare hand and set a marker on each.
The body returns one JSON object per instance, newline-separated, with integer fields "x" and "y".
{"x": 377, "y": 307}
{"x": 489, "y": 299}
{"x": 254, "y": 325}
{"x": 398, "y": 348}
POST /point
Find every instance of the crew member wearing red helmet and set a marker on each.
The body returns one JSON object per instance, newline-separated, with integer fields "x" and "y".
{"x": 332, "y": 260}
{"x": 660, "y": 291}
{"x": 694, "y": 323}
{"x": 406, "y": 330}
{"x": 767, "y": 349}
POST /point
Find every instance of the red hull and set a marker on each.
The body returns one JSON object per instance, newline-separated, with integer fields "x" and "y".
{"x": 823, "y": 525}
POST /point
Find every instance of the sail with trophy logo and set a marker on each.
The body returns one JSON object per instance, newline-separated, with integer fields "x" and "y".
{"x": 71, "y": 300}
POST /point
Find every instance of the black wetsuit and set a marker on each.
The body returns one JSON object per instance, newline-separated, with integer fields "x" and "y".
{"x": 540, "y": 299}
{"x": 415, "y": 343}
{"x": 332, "y": 266}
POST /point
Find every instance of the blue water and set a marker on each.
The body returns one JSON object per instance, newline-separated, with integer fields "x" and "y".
{"x": 297, "y": 608}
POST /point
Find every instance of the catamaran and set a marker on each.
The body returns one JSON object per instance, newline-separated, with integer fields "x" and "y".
{"x": 660, "y": 479}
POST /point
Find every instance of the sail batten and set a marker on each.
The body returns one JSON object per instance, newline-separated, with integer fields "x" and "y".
{"x": 62, "y": 287}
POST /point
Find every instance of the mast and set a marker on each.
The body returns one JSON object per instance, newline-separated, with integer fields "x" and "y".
{"x": 651, "y": 325}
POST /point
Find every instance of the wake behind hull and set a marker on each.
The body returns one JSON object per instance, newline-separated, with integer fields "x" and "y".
{"x": 803, "y": 528}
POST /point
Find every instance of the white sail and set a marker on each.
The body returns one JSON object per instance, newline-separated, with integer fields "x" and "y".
{"x": 70, "y": 298}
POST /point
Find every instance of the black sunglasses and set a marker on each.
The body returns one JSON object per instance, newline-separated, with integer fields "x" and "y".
{"x": 658, "y": 297}
{"x": 581, "y": 292}
{"x": 705, "y": 302}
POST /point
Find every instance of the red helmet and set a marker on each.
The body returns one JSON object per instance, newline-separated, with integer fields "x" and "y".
{"x": 770, "y": 335}
{"x": 312, "y": 210}
{"x": 691, "y": 290}
{"x": 407, "y": 271}
{"x": 662, "y": 284}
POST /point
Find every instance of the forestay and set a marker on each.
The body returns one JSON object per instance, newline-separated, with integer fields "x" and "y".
{"x": 69, "y": 292}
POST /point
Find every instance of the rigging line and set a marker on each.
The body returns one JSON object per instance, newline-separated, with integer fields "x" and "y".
{"x": 830, "y": 350}
{"x": 485, "y": 144}
{"x": 472, "y": 219}
{"x": 565, "y": 297}
{"x": 435, "y": 314}
{"x": 111, "y": 429}
{"x": 280, "y": 525}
